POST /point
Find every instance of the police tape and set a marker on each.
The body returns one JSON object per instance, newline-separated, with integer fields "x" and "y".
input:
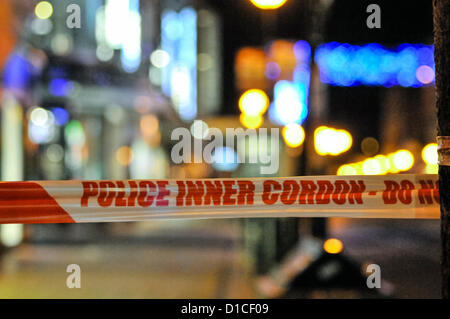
{"x": 390, "y": 196}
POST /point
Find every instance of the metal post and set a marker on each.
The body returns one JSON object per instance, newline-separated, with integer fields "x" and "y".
{"x": 441, "y": 10}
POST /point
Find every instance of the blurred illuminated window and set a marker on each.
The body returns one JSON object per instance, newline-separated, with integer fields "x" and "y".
{"x": 291, "y": 89}
{"x": 250, "y": 67}
{"x": 179, "y": 71}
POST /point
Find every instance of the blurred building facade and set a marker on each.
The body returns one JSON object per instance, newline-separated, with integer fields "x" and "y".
{"x": 93, "y": 91}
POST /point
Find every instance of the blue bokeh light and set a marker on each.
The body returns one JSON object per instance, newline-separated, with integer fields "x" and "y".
{"x": 61, "y": 115}
{"x": 342, "y": 64}
{"x": 290, "y": 102}
{"x": 60, "y": 87}
{"x": 290, "y": 97}
{"x": 17, "y": 72}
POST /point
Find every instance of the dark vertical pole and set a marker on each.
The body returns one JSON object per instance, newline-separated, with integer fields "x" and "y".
{"x": 285, "y": 229}
{"x": 441, "y": 10}
{"x": 316, "y": 17}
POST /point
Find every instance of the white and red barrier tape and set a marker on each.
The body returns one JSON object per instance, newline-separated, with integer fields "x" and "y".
{"x": 390, "y": 196}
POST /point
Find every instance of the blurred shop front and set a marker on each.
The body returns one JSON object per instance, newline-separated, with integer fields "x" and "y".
{"x": 98, "y": 98}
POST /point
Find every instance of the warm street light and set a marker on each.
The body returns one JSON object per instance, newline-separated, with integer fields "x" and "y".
{"x": 268, "y": 4}
{"x": 253, "y": 102}
{"x": 251, "y": 121}
{"x": 293, "y": 135}
{"x": 371, "y": 166}
{"x": 347, "y": 169}
{"x": 402, "y": 160}
{"x": 430, "y": 154}
{"x": 333, "y": 246}
{"x": 330, "y": 141}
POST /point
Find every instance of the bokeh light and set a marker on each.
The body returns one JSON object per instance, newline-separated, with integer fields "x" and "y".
{"x": 252, "y": 122}
{"x": 384, "y": 163}
{"x": 430, "y": 154}
{"x": 378, "y": 165}
{"x": 408, "y": 65}
{"x": 74, "y": 133}
{"x": 160, "y": 58}
{"x": 124, "y": 155}
{"x": 60, "y": 87}
{"x": 268, "y": 4}
{"x": 43, "y": 10}
{"x": 39, "y": 116}
{"x": 41, "y": 26}
{"x": 371, "y": 167}
{"x": 253, "y": 102}
{"x": 330, "y": 141}
{"x": 290, "y": 102}
{"x": 403, "y": 160}
{"x": 293, "y": 134}
{"x": 61, "y": 115}
{"x": 41, "y": 127}
{"x": 149, "y": 125}
{"x": 104, "y": 53}
{"x": 432, "y": 169}
{"x": 55, "y": 153}
{"x": 370, "y": 146}
{"x": 273, "y": 70}
{"x": 333, "y": 246}
{"x": 425, "y": 74}
{"x": 346, "y": 169}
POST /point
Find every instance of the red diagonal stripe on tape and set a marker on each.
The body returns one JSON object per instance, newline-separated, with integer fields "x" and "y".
{"x": 29, "y": 203}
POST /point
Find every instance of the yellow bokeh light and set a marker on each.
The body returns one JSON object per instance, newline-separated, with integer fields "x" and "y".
{"x": 392, "y": 168}
{"x": 358, "y": 168}
{"x": 431, "y": 169}
{"x": 346, "y": 169}
{"x": 253, "y": 102}
{"x": 124, "y": 155}
{"x": 329, "y": 141}
{"x": 43, "y": 10}
{"x": 268, "y": 4}
{"x": 293, "y": 134}
{"x": 333, "y": 246}
{"x": 252, "y": 122}
{"x": 321, "y": 140}
{"x": 371, "y": 167}
{"x": 403, "y": 160}
{"x": 429, "y": 154}
{"x": 384, "y": 163}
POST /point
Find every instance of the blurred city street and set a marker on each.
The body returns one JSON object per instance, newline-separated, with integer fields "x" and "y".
{"x": 203, "y": 262}
{"x": 207, "y": 260}
{"x": 408, "y": 252}
{"x": 277, "y": 117}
